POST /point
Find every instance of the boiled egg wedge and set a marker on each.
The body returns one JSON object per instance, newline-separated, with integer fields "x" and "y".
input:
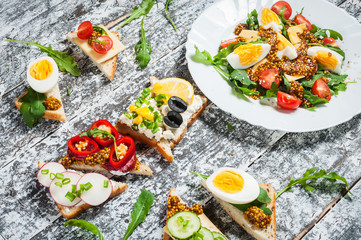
{"x": 248, "y": 55}
{"x": 328, "y": 58}
{"x": 285, "y": 48}
{"x": 269, "y": 19}
{"x": 42, "y": 74}
{"x": 233, "y": 185}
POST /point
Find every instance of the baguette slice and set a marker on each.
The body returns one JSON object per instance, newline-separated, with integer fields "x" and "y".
{"x": 72, "y": 212}
{"x": 239, "y": 217}
{"x": 59, "y": 114}
{"x": 164, "y": 146}
{"x": 205, "y": 222}
{"x": 106, "y": 63}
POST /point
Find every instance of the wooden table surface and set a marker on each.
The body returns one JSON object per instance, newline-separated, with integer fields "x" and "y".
{"x": 26, "y": 208}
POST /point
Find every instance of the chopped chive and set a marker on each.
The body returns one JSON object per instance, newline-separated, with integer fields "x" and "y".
{"x": 88, "y": 186}
{"x": 45, "y": 171}
{"x": 106, "y": 183}
{"x": 70, "y": 196}
{"x": 229, "y": 126}
{"x": 135, "y": 127}
{"x": 134, "y": 114}
{"x": 52, "y": 176}
{"x": 128, "y": 115}
{"x": 68, "y": 92}
{"x": 65, "y": 181}
{"x": 151, "y": 108}
{"x": 141, "y": 125}
{"x": 78, "y": 193}
{"x": 59, "y": 176}
{"x": 81, "y": 187}
{"x": 73, "y": 188}
{"x": 58, "y": 184}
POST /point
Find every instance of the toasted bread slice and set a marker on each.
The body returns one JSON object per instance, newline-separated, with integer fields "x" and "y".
{"x": 107, "y": 63}
{"x": 205, "y": 222}
{"x": 72, "y": 212}
{"x": 59, "y": 114}
{"x": 163, "y": 146}
{"x": 239, "y": 217}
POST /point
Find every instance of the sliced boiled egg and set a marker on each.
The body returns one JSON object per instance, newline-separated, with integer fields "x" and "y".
{"x": 42, "y": 74}
{"x": 248, "y": 55}
{"x": 233, "y": 185}
{"x": 328, "y": 58}
{"x": 269, "y": 19}
{"x": 285, "y": 48}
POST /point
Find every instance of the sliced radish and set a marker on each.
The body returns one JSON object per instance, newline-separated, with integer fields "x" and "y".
{"x": 59, "y": 193}
{"x": 43, "y": 174}
{"x": 97, "y": 194}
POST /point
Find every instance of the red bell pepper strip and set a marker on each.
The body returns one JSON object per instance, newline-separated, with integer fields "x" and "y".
{"x": 128, "y": 160}
{"x": 75, "y": 153}
{"x": 107, "y": 141}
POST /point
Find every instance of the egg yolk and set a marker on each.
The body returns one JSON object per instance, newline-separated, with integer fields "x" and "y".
{"x": 229, "y": 182}
{"x": 41, "y": 70}
{"x": 326, "y": 59}
{"x": 282, "y": 42}
{"x": 248, "y": 53}
{"x": 269, "y": 16}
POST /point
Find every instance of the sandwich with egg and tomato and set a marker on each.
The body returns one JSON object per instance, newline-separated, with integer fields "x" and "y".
{"x": 251, "y": 205}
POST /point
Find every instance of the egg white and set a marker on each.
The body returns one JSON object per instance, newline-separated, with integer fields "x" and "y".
{"x": 312, "y": 51}
{"x": 289, "y": 51}
{"x": 233, "y": 59}
{"x": 248, "y": 194}
{"x": 43, "y": 86}
{"x": 276, "y": 27}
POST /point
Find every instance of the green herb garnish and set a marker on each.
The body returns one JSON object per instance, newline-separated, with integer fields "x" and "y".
{"x": 65, "y": 62}
{"x": 52, "y": 176}
{"x": 139, "y": 11}
{"x": 73, "y": 188}
{"x": 59, "y": 176}
{"x": 182, "y": 221}
{"x": 58, "y": 184}
{"x": 311, "y": 174}
{"x": 65, "y": 181}
{"x": 128, "y": 115}
{"x": 45, "y": 171}
{"x": 78, "y": 193}
{"x": 323, "y": 33}
{"x": 143, "y": 49}
{"x": 202, "y": 176}
{"x": 140, "y": 211}
{"x": 146, "y": 92}
{"x": 168, "y": 15}
{"x": 68, "y": 92}
{"x": 84, "y": 225}
{"x": 32, "y": 107}
{"x": 106, "y": 183}
{"x": 88, "y": 186}
{"x": 252, "y": 20}
{"x": 229, "y": 126}
{"x": 70, "y": 196}
{"x": 100, "y": 30}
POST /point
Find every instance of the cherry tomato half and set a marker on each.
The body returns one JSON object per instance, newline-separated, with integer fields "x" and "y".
{"x": 225, "y": 43}
{"x": 329, "y": 40}
{"x": 321, "y": 89}
{"x": 268, "y": 76}
{"x": 287, "y": 101}
{"x": 102, "y": 44}
{"x": 277, "y": 8}
{"x": 299, "y": 19}
{"x": 85, "y": 30}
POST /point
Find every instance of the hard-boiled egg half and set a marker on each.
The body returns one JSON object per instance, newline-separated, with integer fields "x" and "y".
{"x": 285, "y": 48}
{"x": 42, "y": 74}
{"x": 233, "y": 185}
{"x": 248, "y": 55}
{"x": 269, "y": 19}
{"x": 328, "y": 58}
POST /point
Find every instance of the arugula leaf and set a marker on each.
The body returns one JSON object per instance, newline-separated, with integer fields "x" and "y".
{"x": 311, "y": 174}
{"x": 252, "y": 20}
{"x": 167, "y": 13}
{"x": 220, "y": 58}
{"x": 202, "y": 57}
{"x": 84, "y": 225}
{"x": 241, "y": 76}
{"x": 319, "y": 32}
{"x": 283, "y": 21}
{"x": 32, "y": 107}
{"x": 313, "y": 99}
{"x": 65, "y": 62}
{"x": 286, "y": 83}
{"x": 139, "y": 11}
{"x": 272, "y": 92}
{"x": 140, "y": 211}
{"x": 202, "y": 176}
{"x": 229, "y": 126}
{"x": 100, "y": 30}
{"x": 260, "y": 202}
{"x": 143, "y": 49}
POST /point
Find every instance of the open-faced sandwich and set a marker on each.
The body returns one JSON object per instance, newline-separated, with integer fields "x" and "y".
{"x": 251, "y": 205}
{"x": 43, "y": 98}
{"x": 185, "y": 222}
{"x": 74, "y": 192}
{"x": 103, "y": 149}
{"x": 161, "y": 115}
{"x": 101, "y": 46}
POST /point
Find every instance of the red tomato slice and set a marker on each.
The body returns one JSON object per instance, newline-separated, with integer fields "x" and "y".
{"x": 299, "y": 19}
{"x": 227, "y": 42}
{"x": 85, "y": 30}
{"x": 102, "y": 44}
{"x": 268, "y": 76}
{"x": 277, "y": 8}
{"x": 287, "y": 101}
{"x": 329, "y": 40}
{"x": 321, "y": 89}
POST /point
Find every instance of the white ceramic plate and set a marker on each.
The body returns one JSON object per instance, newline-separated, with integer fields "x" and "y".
{"x": 217, "y": 23}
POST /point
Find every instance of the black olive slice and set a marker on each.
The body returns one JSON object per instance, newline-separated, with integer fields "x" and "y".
{"x": 173, "y": 119}
{"x": 177, "y": 104}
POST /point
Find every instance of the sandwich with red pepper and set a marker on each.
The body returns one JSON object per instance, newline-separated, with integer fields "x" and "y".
{"x": 101, "y": 46}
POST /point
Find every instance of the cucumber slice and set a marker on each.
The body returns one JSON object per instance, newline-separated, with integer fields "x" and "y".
{"x": 207, "y": 235}
{"x": 218, "y": 236}
{"x": 182, "y": 225}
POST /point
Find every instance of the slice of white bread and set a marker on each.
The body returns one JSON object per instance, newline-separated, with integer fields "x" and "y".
{"x": 59, "y": 114}
{"x": 72, "y": 212}
{"x": 106, "y": 63}
{"x": 239, "y": 217}
{"x": 163, "y": 146}
{"x": 205, "y": 222}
